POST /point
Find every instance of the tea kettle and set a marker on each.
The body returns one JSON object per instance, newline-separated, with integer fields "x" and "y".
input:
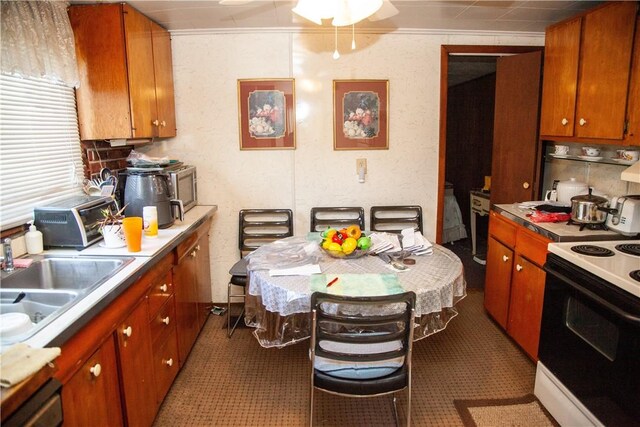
{"x": 152, "y": 188}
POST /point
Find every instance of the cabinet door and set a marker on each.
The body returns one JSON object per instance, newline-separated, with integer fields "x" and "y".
{"x": 103, "y": 94}
{"x": 203, "y": 275}
{"x": 91, "y": 397}
{"x": 559, "y": 86}
{"x": 525, "y": 311}
{"x": 497, "y": 284}
{"x": 163, "y": 70}
{"x": 633, "y": 106}
{"x": 142, "y": 89}
{"x": 184, "y": 278}
{"x": 605, "y": 64}
{"x": 136, "y": 365}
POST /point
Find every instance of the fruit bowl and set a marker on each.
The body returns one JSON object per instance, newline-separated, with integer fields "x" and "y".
{"x": 341, "y": 255}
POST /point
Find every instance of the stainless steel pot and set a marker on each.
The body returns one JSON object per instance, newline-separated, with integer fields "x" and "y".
{"x": 589, "y": 209}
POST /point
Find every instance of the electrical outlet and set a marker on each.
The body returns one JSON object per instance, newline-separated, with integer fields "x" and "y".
{"x": 361, "y": 164}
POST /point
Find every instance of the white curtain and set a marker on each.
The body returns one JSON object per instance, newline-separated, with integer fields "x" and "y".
{"x": 37, "y": 41}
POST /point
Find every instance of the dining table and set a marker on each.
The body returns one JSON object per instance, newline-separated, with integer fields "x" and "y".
{"x": 283, "y": 275}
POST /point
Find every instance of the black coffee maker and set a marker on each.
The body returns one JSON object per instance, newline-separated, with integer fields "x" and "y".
{"x": 138, "y": 189}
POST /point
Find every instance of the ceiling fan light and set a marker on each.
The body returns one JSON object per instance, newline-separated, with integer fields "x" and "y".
{"x": 349, "y": 12}
{"x": 314, "y": 10}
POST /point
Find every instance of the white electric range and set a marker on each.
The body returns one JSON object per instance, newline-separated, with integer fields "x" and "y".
{"x": 617, "y": 262}
{"x": 588, "y": 371}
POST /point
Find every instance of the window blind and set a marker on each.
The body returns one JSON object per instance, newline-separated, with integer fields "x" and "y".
{"x": 40, "y": 156}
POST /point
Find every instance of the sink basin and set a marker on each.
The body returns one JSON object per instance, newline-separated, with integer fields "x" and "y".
{"x": 42, "y": 307}
{"x": 77, "y": 273}
{"x": 50, "y": 286}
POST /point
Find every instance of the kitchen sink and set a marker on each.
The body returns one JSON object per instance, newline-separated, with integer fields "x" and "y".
{"x": 51, "y": 285}
{"x": 42, "y": 307}
{"x": 77, "y": 273}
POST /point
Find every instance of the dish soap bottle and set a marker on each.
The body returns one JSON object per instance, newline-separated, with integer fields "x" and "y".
{"x": 33, "y": 239}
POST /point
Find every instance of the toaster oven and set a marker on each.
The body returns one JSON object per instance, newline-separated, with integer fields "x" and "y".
{"x": 72, "y": 222}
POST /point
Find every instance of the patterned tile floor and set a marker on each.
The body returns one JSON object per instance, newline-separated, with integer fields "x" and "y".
{"x": 235, "y": 382}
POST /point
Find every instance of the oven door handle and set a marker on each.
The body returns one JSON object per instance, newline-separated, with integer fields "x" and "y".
{"x": 596, "y": 298}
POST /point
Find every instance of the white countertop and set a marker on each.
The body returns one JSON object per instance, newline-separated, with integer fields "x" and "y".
{"x": 556, "y": 231}
{"x": 150, "y": 247}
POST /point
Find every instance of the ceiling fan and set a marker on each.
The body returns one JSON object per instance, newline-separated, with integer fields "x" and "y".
{"x": 343, "y": 12}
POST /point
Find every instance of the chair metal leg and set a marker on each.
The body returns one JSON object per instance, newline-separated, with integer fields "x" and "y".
{"x": 311, "y": 407}
{"x": 395, "y": 409}
{"x": 231, "y": 329}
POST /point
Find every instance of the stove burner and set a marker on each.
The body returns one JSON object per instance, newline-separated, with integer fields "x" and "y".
{"x": 629, "y": 248}
{"x": 635, "y": 275}
{"x": 592, "y": 250}
{"x": 599, "y": 226}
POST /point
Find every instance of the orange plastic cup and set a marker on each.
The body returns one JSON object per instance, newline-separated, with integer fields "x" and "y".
{"x": 132, "y": 227}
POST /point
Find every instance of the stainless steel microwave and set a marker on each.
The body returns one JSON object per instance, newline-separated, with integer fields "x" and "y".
{"x": 184, "y": 181}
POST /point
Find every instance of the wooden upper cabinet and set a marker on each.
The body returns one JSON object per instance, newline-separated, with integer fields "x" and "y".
{"x": 593, "y": 103}
{"x": 126, "y": 81}
{"x": 632, "y": 136}
{"x": 163, "y": 67}
{"x": 560, "y": 82}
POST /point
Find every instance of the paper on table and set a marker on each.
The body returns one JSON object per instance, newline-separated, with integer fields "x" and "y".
{"x": 303, "y": 270}
{"x": 357, "y": 284}
{"x": 384, "y": 242}
{"x": 414, "y": 242}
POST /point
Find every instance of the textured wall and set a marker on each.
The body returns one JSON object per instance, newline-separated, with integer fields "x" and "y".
{"x": 206, "y": 69}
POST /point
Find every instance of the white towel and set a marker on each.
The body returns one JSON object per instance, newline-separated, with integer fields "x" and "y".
{"x": 21, "y": 361}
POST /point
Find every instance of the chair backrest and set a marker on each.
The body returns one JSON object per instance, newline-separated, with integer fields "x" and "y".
{"x": 336, "y": 217}
{"x": 394, "y": 219}
{"x": 258, "y": 227}
{"x": 362, "y": 333}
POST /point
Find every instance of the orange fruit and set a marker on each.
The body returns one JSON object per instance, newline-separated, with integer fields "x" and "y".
{"x": 354, "y": 231}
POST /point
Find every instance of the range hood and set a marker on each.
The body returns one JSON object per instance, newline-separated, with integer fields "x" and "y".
{"x": 632, "y": 173}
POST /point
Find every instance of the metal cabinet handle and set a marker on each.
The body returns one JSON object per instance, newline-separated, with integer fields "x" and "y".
{"x": 505, "y": 258}
{"x": 197, "y": 247}
{"x": 193, "y": 253}
{"x": 169, "y": 362}
{"x": 164, "y": 287}
{"x": 96, "y": 370}
{"x": 582, "y": 122}
{"x": 564, "y": 121}
{"x": 525, "y": 185}
{"x": 127, "y": 331}
{"x": 163, "y": 123}
{"x": 155, "y": 122}
{"x": 165, "y": 320}
{"x": 518, "y": 267}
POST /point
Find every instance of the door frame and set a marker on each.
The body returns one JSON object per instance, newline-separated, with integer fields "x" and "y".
{"x": 445, "y": 51}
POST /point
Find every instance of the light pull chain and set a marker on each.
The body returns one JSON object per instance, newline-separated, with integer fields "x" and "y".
{"x": 353, "y": 36}
{"x": 336, "y": 54}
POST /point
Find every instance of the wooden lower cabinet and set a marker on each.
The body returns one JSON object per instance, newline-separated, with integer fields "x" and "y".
{"x": 129, "y": 354}
{"x": 514, "y": 281}
{"x": 137, "y": 376}
{"x": 498, "y": 281}
{"x": 92, "y": 396}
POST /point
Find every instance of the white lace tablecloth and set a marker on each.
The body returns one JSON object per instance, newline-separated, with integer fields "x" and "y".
{"x": 437, "y": 280}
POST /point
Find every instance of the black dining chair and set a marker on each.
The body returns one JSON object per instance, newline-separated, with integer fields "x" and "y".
{"x": 393, "y": 219}
{"x": 362, "y": 355}
{"x": 336, "y": 217}
{"x": 256, "y": 227}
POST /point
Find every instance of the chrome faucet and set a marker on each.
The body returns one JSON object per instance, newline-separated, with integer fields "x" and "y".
{"x": 8, "y": 256}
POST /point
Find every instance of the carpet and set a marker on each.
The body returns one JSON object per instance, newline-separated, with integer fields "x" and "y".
{"x": 521, "y": 411}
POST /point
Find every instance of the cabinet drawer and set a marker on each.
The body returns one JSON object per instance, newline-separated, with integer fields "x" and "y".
{"x": 185, "y": 247}
{"x": 164, "y": 322}
{"x": 532, "y": 246}
{"x": 161, "y": 290}
{"x": 502, "y": 229}
{"x": 165, "y": 363}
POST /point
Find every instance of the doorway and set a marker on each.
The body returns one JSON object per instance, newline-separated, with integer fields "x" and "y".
{"x": 467, "y": 160}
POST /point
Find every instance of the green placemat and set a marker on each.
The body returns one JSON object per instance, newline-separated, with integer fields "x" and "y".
{"x": 357, "y": 285}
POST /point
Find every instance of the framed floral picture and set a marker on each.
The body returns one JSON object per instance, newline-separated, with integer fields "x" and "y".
{"x": 267, "y": 114}
{"x": 360, "y": 114}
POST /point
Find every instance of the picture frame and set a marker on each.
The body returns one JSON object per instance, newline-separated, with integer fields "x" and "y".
{"x": 361, "y": 114}
{"x": 267, "y": 114}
